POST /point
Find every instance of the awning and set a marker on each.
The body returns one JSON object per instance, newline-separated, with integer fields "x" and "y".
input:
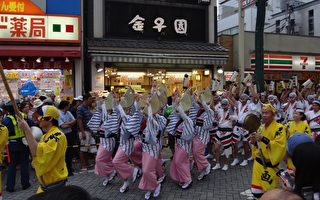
{"x": 40, "y": 50}
{"x": 154, "y": 52}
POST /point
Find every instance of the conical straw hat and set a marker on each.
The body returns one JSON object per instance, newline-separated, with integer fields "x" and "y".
{"x": 154, "y": 103}
{"x": 186, "y": 101}
{"x": 163, "y": 88}
{"x": 143, "y": 100}
{"x": 206, "y": 95}
{"x": 109, "y": 101}
{"x": 128, "y": 99}
{"x": 162, "y": 98}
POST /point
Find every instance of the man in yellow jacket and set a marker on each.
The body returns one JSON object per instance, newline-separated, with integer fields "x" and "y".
{"x": 48, "y": 156}
{"x": 3, "y": 141}
{"x": 269, "y": 147}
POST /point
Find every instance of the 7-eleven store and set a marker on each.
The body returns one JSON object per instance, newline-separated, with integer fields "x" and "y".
{"x": 281, "y": 67}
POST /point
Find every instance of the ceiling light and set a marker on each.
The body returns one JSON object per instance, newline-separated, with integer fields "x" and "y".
{"x": 99, "y": 68}
{"x": 10, "y": 59}
{"x": 220, "y": 70}
{"x": 23, "y": 59}
{"x": 38, "y": 60}
{"x": 67, "y": 60}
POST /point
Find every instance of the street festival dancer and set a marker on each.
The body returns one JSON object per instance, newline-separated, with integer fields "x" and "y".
{"x": 269, "y": 147}
{"x": 109, "y": 132}
{"x": 313, "y": 118}
{"x": 183, "y": 129}
{"x": 129, "y": 130}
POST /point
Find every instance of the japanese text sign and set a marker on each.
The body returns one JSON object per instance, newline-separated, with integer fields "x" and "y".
{"x": 155, "y": 22}
{"x": 20, "y": 7}
{"x": 39, "y": 28}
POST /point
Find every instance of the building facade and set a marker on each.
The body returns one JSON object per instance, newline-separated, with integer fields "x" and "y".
{"x": 40, "y": 45}
{"x": 133, "y": 43}
{"x": 283, "y": 58}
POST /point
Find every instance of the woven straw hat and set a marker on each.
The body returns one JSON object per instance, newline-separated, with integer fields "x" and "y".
{"x": 154, "y": 103}
{"x": 128, "y": 98}
{"x": 162, "y": 98}
{"x": 186, "y": 101}
{"x": 143, "y": 101}
{"x": 109, "y": 101}
{"x": 206, "y": 95}
{"x": 163, "y": 88}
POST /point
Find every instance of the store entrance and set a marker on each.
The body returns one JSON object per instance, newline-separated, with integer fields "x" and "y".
{"x": 141, "y": 80}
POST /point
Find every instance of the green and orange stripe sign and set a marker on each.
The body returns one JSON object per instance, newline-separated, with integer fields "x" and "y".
{"x": 289, "y": 62}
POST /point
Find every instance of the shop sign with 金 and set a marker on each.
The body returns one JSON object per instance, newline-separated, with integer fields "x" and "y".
{"x": 39, "y": 28}
{"x": 138, "y": 24}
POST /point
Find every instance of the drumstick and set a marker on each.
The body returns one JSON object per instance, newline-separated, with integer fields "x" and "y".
{"x": 6, "y": 85}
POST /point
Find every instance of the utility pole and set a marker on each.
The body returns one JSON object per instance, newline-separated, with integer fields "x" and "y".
{"x": 261, "y": 15}
{"x": 241, "y": 41}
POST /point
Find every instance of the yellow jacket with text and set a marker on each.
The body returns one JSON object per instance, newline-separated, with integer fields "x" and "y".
{"x": 3, "y": 140}
{"x": 273, "y": 143}
{"x": 300, "y": 127}
{"x": 49, "y": 162}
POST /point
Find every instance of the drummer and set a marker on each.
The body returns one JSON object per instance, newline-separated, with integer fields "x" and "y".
{"x": 48, "y": 156}
{"x": 269, "y": 147}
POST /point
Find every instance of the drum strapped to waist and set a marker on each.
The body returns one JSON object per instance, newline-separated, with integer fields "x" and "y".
{"x": 251, "y": 123}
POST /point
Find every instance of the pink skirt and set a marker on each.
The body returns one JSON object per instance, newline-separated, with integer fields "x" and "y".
{"x": 148, "y": 181}
{"x": 104, "y": 166}
{"x": 159, "y": 169}
{"x": 136, "y": 156}
{"x": 198, "y": 149}
{"x": 180, "y": 166}
{"x": 120, "y": 164}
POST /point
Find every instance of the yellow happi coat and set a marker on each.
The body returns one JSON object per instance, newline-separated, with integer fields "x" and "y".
{"x": 292, "y": 127}
{"x": 49, "y": 162}
{"x": 273, "y": 147}
{"x": 3, "y": 141}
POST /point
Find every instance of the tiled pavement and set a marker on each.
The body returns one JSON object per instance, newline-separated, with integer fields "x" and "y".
{"x": 218, "y": 185}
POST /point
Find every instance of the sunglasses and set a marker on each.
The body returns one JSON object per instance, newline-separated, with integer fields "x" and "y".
{"x": 44, "y": 118}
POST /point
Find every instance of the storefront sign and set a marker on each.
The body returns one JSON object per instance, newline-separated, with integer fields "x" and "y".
{"x": 246, "y": 3}
{"x": 35, "y": 28}
{"x": 289, "y": 62}
{"x": 180, "y": 25}
{"x": 20, "y": 7}
{"x": 157, "y": 22}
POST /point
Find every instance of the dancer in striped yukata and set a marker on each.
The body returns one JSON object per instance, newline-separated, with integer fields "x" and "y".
{"x": 129, "y": 129}
{"x": 243, "y": 107}
{"x": 183, "y": 131}
{"x": 224, "y": 134}
{"x": 201, "y": 138}
{"x": 162, "y": 121}
{"x": 151, "y": 152}
{"x": 109, "y": 130}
